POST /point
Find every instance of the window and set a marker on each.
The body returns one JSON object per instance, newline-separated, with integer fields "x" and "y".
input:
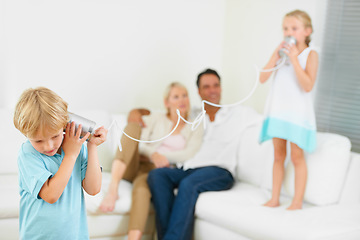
{"x": 337, "y": 102}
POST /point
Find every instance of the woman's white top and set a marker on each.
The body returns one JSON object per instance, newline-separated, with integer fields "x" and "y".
{"x": 159, "y": 125}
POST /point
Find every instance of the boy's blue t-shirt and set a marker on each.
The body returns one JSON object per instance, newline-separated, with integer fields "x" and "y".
{"x": 64, "y": 219}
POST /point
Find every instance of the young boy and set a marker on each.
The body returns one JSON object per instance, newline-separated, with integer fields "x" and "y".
{"x": 54, "y": 168}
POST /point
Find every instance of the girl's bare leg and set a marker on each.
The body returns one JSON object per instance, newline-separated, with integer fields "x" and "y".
{"x": 278, "y": 171}
{"x": 298, "y": 159}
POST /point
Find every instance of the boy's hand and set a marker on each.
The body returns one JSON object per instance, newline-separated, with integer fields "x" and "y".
{"x": 72, "y": 142}
{"x": 99, "y": 136}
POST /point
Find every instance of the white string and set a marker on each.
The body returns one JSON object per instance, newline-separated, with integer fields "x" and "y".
{"x": 114, "y": 123}
{"x": 201, "y": 116}
{"x": 148, "y": 141}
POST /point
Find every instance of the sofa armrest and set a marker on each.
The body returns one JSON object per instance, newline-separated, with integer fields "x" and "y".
{"x": 351, "y": 190}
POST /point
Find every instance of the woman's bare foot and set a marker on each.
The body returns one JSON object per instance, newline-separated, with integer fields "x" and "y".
{"x": 108, "y": 203}
{"x": 295, "y": 206}
{"x": 272, "y": 203}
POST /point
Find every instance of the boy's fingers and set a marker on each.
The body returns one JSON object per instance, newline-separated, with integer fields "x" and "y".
{"x": 67, "y": 128}
{"x": 87, "y": 135}
{"x": 72, "y": 128}
{"x": 99, "y": 130}
{"x": 78, "y": 132}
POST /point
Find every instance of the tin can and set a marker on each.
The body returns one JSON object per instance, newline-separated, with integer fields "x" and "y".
{"x": 288, "y": 40}
{"x": 86, "y": 124}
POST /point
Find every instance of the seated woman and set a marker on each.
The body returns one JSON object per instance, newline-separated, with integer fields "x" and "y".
{"x": 136, "y": 160}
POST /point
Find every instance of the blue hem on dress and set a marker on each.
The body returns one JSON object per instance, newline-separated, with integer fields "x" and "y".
{"x": 276, "y": 128}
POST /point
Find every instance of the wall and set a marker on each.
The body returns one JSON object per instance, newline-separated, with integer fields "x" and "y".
{"x": 3, "y": 83}
{"x": 117, "y": 54}
{"x": 109, "y": 54}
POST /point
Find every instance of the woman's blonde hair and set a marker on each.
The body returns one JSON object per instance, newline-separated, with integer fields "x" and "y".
{"x": 304, "y": 18}
{"x": 40, "y": 109}
{"x": 167, "y": 94}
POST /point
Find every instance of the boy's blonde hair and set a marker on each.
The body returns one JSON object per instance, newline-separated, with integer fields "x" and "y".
{"x": 40, "y": 109}
{"x": 168, "y": 90}
{"x": 305, "y": 19}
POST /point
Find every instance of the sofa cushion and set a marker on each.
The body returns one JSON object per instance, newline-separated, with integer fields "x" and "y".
{"x": 255, "y": 160}
{"x": 239, "y": 210}
{"x": 327, "y": 170}
{"x": 351, "y": 191}
{"x": 210, "y": 231}
{"x": 113, "y": 226}
{"x": 10, "y": 142}
{"x": 10, "y": 200}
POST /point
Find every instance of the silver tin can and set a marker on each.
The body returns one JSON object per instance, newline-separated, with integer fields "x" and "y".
{"x": 86, "y": 124}
{"x": 288, "y": 40}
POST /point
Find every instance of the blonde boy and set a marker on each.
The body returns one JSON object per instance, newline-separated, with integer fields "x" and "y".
{"x": 54, "y": 168}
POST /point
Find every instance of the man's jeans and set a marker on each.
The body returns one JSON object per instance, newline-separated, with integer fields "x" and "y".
{"x": 175, "y": 213}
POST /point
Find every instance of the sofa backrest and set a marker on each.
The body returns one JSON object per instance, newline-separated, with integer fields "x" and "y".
{"x": 10, "y": 142}
{"x": 327, "y": 166}
{"x": 255, "y": 160}
{"x": 331, "y": 175}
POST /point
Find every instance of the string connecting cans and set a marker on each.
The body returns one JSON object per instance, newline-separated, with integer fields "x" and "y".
{"x": 201, "y": 116}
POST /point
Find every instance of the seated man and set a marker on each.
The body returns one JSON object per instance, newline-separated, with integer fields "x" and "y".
{"x": 211, "y": 169}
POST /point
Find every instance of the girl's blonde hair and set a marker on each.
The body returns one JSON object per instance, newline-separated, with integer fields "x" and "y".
{"x": 305, "y": 19}
{"x": 167, "y": 94}
{"x": 40, "y": 109}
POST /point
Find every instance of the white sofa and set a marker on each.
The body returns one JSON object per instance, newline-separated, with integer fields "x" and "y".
{"x": 332, "y": 199}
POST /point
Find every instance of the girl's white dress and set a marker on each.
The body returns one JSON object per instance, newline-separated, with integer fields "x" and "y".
{"x": 289, "y": 111}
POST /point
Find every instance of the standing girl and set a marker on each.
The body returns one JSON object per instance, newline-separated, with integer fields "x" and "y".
{"x": 289, "y": 111}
